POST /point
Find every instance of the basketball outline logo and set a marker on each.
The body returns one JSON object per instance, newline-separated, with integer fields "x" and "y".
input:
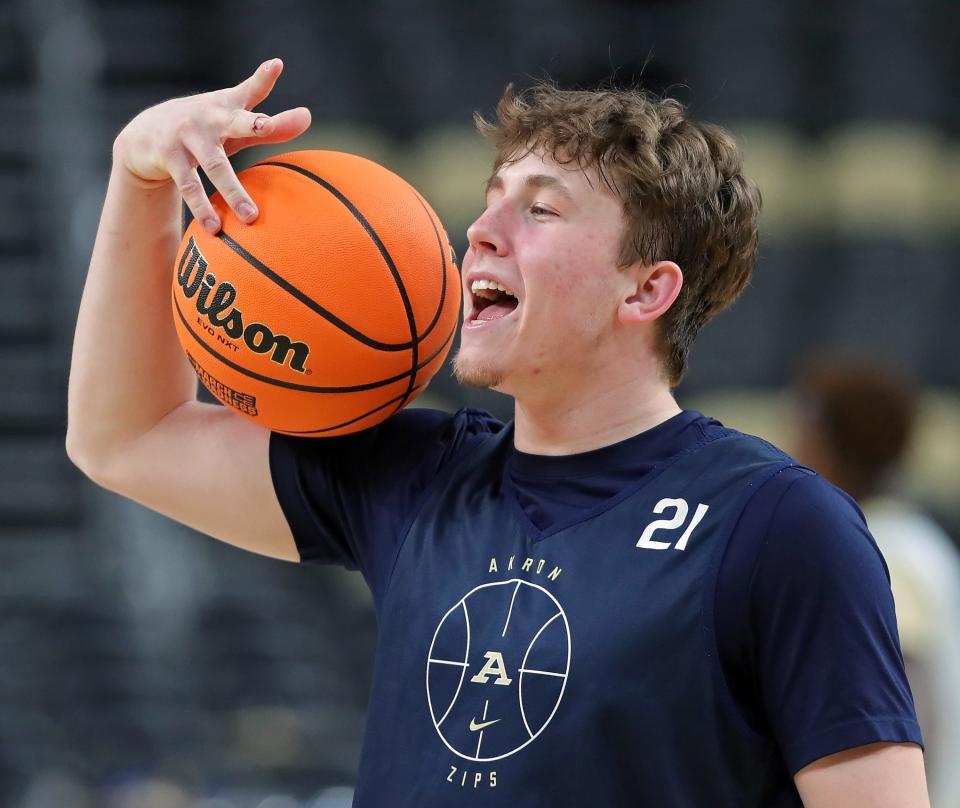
{"x": 522, "y": 670}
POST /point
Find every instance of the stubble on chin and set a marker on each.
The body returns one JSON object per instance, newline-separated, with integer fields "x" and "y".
{"x": 473, "y": 374}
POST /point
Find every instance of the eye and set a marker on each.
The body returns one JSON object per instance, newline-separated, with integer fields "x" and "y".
{"x": 540, "y": 210}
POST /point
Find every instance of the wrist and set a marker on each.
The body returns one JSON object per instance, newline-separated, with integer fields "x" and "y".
{"x": 122, "y": 169}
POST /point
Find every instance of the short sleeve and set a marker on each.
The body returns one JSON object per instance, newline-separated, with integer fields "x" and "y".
{"x": 348, "y": 498}
{"x": 818, "y": 629}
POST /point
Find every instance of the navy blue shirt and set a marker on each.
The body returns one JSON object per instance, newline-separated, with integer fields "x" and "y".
{"x": 803, "y": 617}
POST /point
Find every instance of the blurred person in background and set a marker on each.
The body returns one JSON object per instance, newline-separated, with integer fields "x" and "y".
{"x": 855, "y": 420}
{"x": 614, "y": 227}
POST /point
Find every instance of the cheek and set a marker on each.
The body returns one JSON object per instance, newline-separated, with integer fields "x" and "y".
{"x": 572, "y": 307}
{"x": 572, "y": 285}
{"x": 582, "y": 285}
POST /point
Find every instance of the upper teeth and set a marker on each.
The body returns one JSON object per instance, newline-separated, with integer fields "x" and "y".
{"x": 483, "y": 288}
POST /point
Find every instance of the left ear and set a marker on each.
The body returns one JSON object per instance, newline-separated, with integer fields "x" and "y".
{"x": 657, "y": 286}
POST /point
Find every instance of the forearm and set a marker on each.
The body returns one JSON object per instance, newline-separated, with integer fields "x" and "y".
{"x": 128, "y": 370}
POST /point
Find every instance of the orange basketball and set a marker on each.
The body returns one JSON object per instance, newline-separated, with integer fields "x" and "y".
{"x": 332, "y": 310}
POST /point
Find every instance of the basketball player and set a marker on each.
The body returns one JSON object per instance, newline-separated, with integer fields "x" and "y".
{"x": 607, "y": 601}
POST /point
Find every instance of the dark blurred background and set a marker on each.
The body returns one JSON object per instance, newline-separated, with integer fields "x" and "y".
{"x": 144, "y": 666}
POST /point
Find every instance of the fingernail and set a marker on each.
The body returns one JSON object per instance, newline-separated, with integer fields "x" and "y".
{"x": 245, "y": 211}
{"x": 211, "y": 225}
{"x": 265, "y": 67}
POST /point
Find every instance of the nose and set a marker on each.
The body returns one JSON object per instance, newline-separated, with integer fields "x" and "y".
{"x": 486, "y": 234}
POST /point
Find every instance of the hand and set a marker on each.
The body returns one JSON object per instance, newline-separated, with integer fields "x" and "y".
{"x": 168, "y": 141}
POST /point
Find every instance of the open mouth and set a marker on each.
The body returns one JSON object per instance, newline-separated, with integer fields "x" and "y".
{"x": 491, "y": 301}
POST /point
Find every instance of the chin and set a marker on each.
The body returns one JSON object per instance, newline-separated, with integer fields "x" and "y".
{"x": 476, "y": 373}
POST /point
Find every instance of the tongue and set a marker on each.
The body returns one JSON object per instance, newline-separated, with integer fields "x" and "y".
{"x": 497, "y": 310}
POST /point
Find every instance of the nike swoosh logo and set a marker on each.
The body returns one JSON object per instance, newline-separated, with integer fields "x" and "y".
{"x": 474, "y": 726}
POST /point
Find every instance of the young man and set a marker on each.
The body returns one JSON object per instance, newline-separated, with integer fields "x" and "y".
{"x": 607, "y": 601}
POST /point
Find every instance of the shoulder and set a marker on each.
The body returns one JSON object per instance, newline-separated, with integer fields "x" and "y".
{"x": 791, "y": 512}
{"x": 803, "y": 523}
{"x": 799, "y": 540}
{"x": 827, "y": 518}
{"x": 415, "y": 431}
{"x": 439, "y": 435}
{"x": 728, "y": 448}
{"x": 469, "y": 419}
{"x": 796, "y": 527}
{"x": 418, "y": 424}
{"x": 810, "y": 638}
{"x": 346, "y": 496}
{"x": 422, "y": 421}
{"x": 403, "y": 453}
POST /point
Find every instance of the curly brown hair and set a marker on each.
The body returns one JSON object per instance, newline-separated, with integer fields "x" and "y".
{"x": 685, "y": 197}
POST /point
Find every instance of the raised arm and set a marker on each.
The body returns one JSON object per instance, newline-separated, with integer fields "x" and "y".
{"x": 135, "y": 426}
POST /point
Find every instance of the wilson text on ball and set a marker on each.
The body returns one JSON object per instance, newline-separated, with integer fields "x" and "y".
{"x": 219, "y": 309}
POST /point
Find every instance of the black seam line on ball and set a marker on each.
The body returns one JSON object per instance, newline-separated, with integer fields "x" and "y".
{"x": 408, "y": 308}
{"x": 443, "y": 290}
{"x": 306, "y": 388}
{"x": 353, "y": 209}
{"x": 352, "y": 420}
{"x": 388, "y": 259}
{"x": 288, "y": 287}
{"x": 443, "y": 266}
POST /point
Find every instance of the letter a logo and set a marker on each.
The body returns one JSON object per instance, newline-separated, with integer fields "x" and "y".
{"x": 494, "y": 666}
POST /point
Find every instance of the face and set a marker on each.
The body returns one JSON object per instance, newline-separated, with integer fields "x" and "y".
{"x": 550, "y": 235}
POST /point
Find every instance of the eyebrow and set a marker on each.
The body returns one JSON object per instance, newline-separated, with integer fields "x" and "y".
{"x": 495, "y": 183}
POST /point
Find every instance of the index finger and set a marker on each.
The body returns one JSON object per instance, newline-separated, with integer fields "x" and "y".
{"x": 253, "y": 90}
{"x": 213, "y": 160}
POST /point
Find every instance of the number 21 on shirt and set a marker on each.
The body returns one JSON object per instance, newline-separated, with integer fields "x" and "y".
{"x": 679, "y": 518}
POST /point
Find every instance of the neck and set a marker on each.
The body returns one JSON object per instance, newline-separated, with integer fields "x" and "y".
{"x": 586, "y": 420}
